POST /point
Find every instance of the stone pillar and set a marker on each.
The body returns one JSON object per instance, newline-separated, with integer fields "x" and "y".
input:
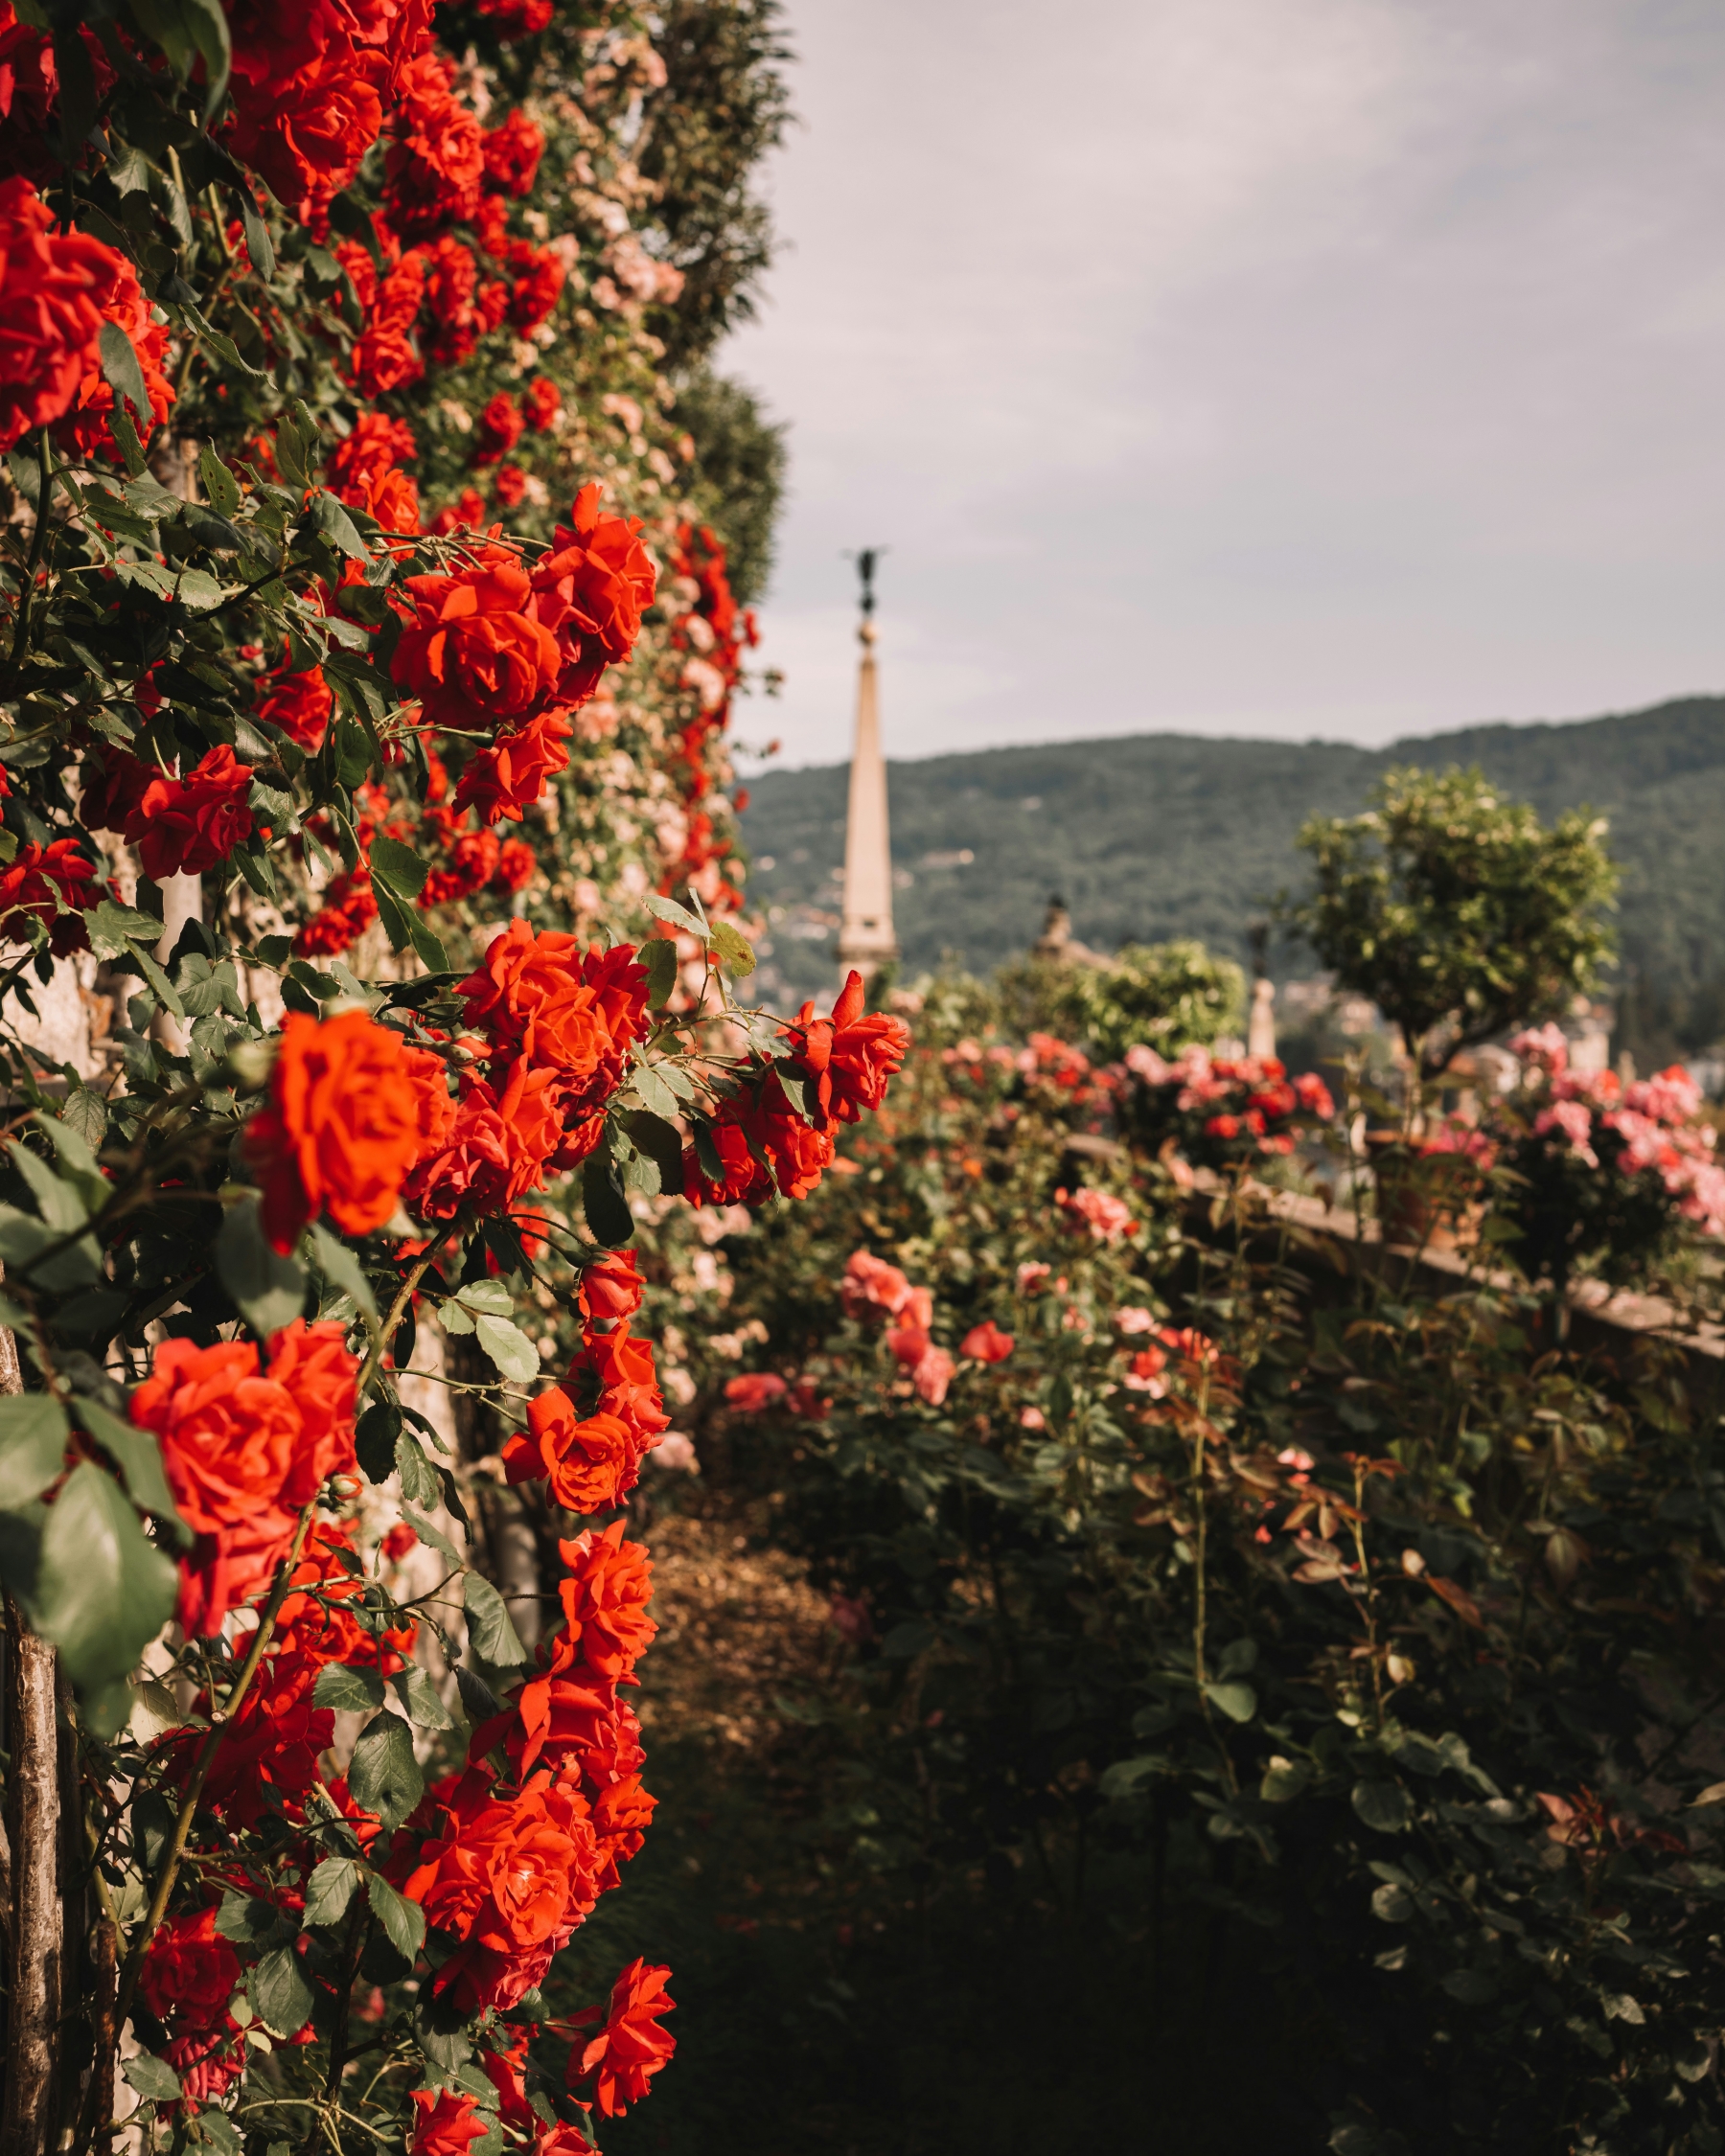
{"x": 1260, "y": 1027}
{"x": 865, "y": 939}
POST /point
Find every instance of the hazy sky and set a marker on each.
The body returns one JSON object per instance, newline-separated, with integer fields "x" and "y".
{"x": 1301, "y": 367}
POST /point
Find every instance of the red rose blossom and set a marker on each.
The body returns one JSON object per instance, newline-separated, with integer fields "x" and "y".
{"x": 182, "y": 826}
{"x": 51, "y": 289}
{"x": 630, "y": 2048}
{"x": 351, "y": 1109}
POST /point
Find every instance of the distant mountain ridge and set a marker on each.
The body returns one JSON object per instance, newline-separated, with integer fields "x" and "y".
{"x": 1153, "y": 836}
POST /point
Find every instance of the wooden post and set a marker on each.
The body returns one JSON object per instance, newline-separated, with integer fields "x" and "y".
{"x": 34, "y": 1915}
{"x": 38, "y": 1932}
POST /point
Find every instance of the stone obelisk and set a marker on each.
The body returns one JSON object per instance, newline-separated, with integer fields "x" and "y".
{"x": 865, "y": 939}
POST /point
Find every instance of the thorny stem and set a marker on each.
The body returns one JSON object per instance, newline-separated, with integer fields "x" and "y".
{"x": 182, "y": 1824}
{"x": 386, "y": 1332}
{"x": 1200, "y": 1600}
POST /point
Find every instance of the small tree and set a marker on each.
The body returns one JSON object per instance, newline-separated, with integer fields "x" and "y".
{"x": 1457, "y": 911}
{"x": 1163, "y": 995}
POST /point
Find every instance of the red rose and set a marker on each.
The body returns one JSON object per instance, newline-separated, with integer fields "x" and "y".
{"x": 190, "y": 1972}
{"x": 468, "y": 514}
{"x": 500, "y": 427}
{"x": 301, "y": 704}
{"x": 743, "y": 1181}
{"x": 365, "y": 468}
{"x": 478, "y": 654}
{"x": 308, "y": 132}
{"x": 542, "y": 400}
{"x": 611, "y": 1286}
{"x": 587, "y": 1463}
{"x": 603, "y": 581}
{"x": 509, "y": 1878}
{"x": 36, "y": 882}
{"x": 619, "y": 980}
{"x": 352, "y": 1108}
{"x": 29, "y": 92}
{"x": 52, "y": 291}
{"x": 499, "y": 1148}
{"x": 182, "y": 826}
{"x": 537, "y": 283}
{"x": 451, "y": 279}
{"x": 349, "y": 909}
{"x": 850, "y": 1057}
{"x": 517, "y": 18}
{"x": 628, "y": 1382}
{"x": 605, "y": 1595}
{"x": 84, "y": 431}
{"x": 630, "y": 2048}
{"x": 112, "y": 784}
{"x": 529, "y": 998}
{"x": 447, "y": 2122}
{"x": 622, "y": 1813}
{"x": 385, "y": 356}
{"x": 472, "y": 863}
{"x": 573, "y": 1717}
{"x": 245, "y": 1448}
{"x": 799, "y": 1154}
{"x": 436, "y": 162}
{"x": 516, "y": 865}
{"x": 509, "y": 485}
{"x": 987, "y": 1344}
{"x": 511, "y": 154}
{"x": 502, "y": 782}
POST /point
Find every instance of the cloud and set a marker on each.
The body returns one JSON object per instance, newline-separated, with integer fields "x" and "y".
{"x": 1239, "y": 365}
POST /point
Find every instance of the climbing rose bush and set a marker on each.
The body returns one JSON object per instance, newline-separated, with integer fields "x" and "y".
{"x": 386, "y": 821}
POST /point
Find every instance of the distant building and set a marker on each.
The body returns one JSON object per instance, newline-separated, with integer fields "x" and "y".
{"x": 866, "y": 940}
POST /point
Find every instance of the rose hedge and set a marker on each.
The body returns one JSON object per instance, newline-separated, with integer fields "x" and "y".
{"x": 257, "y": 265}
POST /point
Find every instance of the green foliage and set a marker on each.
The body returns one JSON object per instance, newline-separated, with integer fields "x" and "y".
{"x": 1455, "y": 910}
{"x": 1222, "y": 818}
{"x": 738, "y": 473}
{"x": 723, "y": 103}
{"x": 1165, "y": 996}
{"x": 1367, "y": 1645}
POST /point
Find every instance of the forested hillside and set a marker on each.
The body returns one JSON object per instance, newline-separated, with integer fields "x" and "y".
{"x": 1166, "y": 835}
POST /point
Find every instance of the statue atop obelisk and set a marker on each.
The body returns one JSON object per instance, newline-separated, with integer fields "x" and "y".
{"x": 865, "y": 940}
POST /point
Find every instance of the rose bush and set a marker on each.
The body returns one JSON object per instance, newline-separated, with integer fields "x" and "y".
{"x": 1226, "y": 1603}
{"x": 274, "y": 671}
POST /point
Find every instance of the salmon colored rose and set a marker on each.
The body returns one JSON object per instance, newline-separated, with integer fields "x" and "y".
{"x": 244, "y": 1446}
{"x": 604, "y": 1594}
{"x": 588, "y": 1463}
{"x": 755, "y": 1392}
{"x": 987, "y": 1344}
{"x": 611, "y": 1286}
{"x": 352, "y": 1108}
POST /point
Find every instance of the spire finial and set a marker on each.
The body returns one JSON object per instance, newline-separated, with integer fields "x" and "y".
{"x": 867, "y": 558}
